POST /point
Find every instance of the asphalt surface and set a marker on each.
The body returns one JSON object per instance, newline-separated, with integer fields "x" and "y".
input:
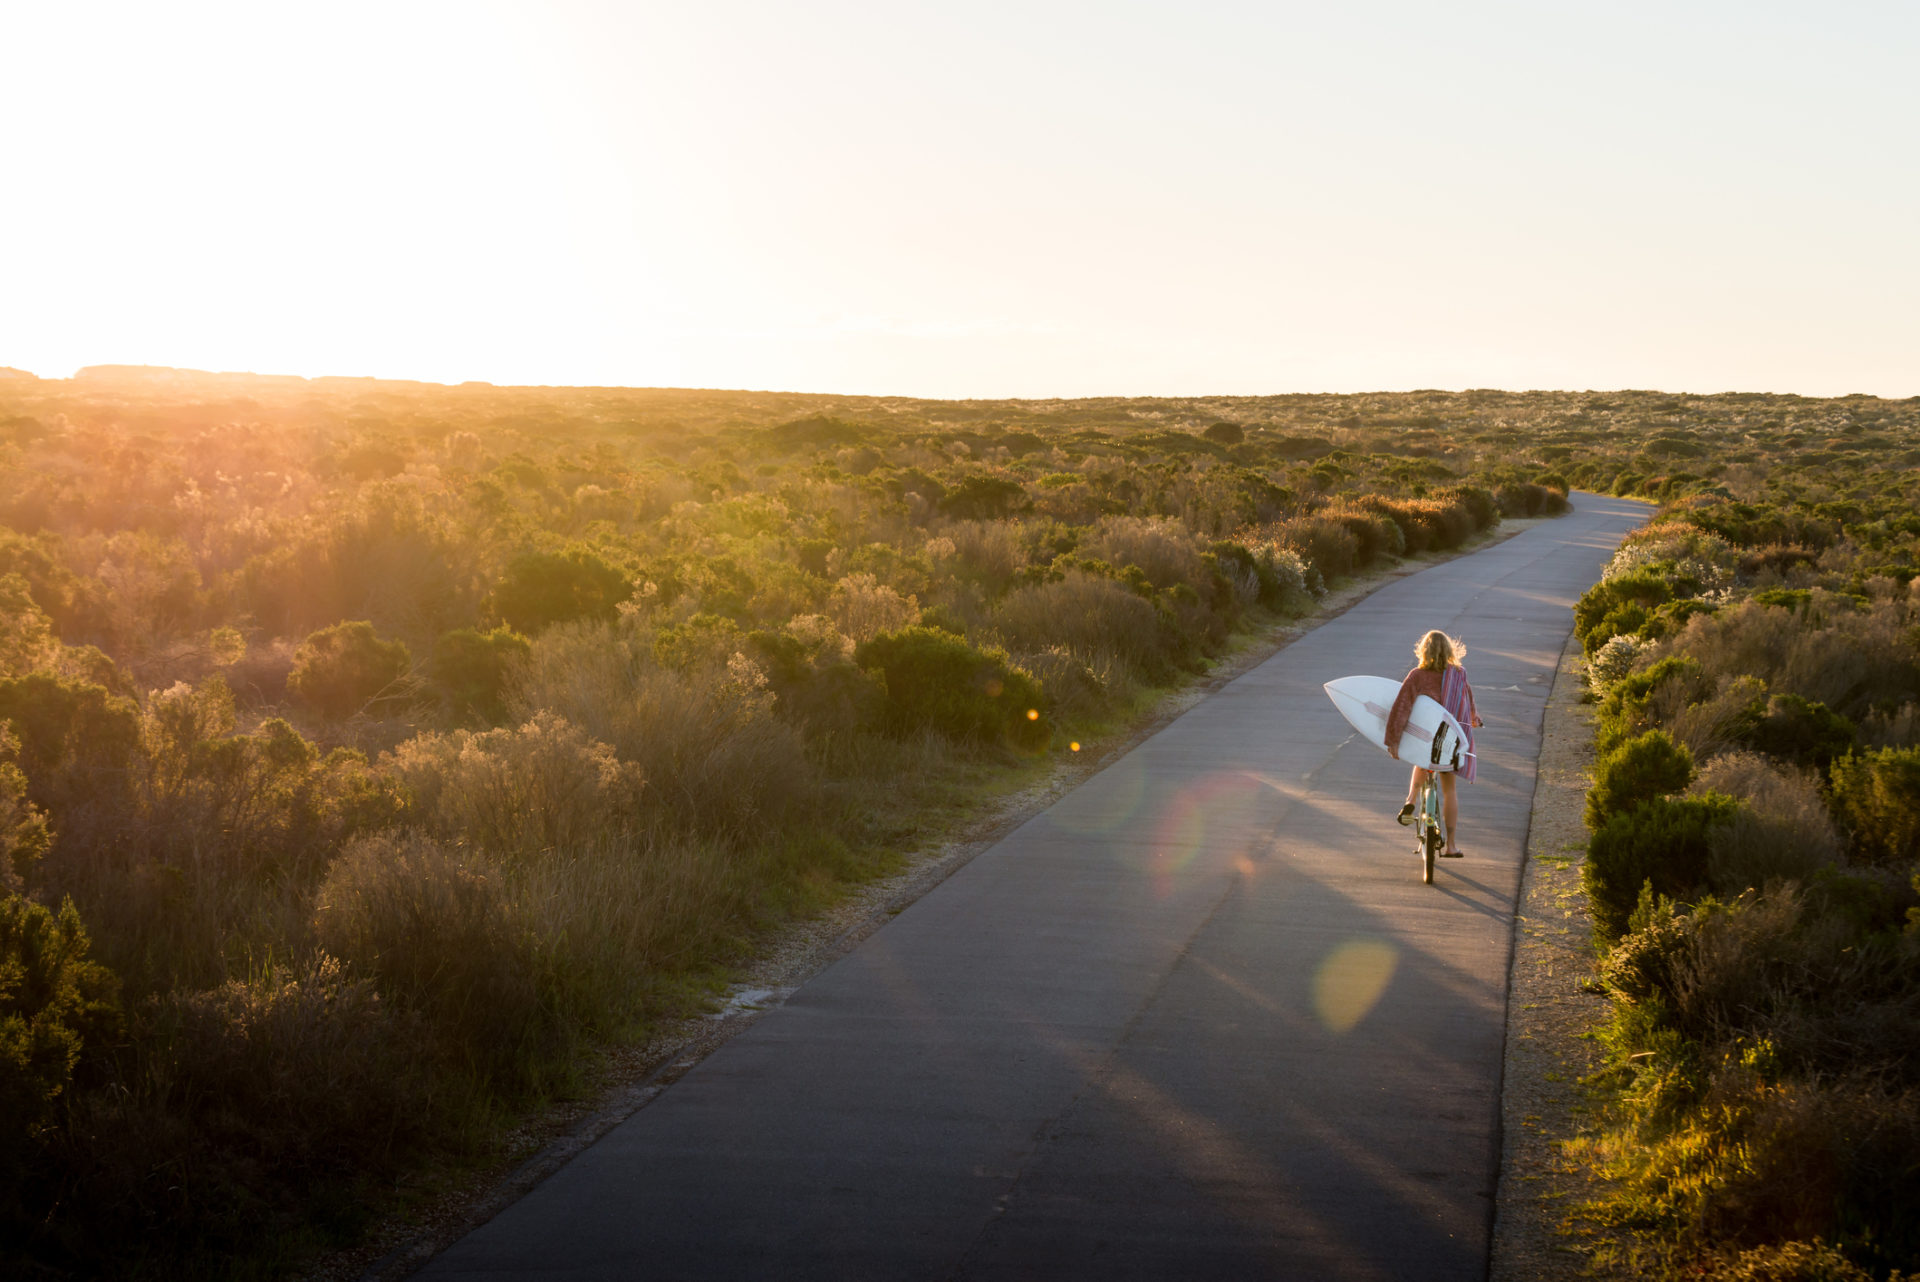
{"x": 1199, "y": 1019}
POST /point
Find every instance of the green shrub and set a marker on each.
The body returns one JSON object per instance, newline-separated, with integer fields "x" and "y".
{"x": 984, "y": 498}
{"x": 1322, "y": 542}
{"x": 24, "y": 834}
{"x": 1640, "y": 967}
{"x": 1877, "y": 796}
{"x": 76, "y": 741}
{"x": 472, "y": 668}
{"x": 1378, "y": 532}
{"x": 936, "y": 681}
{"x": 814, "y": 685}
{"x": 1612, "y": 661}
{"x": 1670, "y": 619}
{"x": 542, "y": 588}
{"x": 1529, "y": 499}
{"x": 1478, "y": 501}
{"x": 53, "y": 1000}
{"x": 345, "y": 669}
{"x": 1647, "y": 766}
{"x": 1618, "y": 605}
{"x": 1665, "y": 842}
{"x": 1644, "y": 700}
{"x": 1802, "y": 731}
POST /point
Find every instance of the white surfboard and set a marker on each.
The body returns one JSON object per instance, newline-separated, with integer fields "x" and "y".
{"x": 1433, "y": 739}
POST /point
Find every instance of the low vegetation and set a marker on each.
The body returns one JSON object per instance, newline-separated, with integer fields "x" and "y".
{"x": 1754, "y": 871}
{"x": 374, "y": 754}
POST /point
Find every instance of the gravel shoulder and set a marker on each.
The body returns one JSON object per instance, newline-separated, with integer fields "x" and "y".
{"x": 1542, "y": 1102}
{"x": 634, "y": 1075}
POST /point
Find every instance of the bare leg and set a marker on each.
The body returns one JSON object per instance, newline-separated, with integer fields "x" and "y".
{"x": 1450, "y": 810}
{"x": 1413, "y": 784}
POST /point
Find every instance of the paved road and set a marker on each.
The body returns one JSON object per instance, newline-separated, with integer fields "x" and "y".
{"x": 1200, "y": 1019}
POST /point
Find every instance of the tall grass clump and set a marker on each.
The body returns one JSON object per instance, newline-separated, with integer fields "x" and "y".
{"x": 439, "y": 929}
{"x": 540, "y": 786}
{"x": 716, "y": 761}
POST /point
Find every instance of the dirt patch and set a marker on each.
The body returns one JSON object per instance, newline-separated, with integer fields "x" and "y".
{"x": 634, "y": 1076}
{"x": 1548, "y": 1009}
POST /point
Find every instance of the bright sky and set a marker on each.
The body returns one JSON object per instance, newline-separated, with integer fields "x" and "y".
{"x": 1028, "y": 198}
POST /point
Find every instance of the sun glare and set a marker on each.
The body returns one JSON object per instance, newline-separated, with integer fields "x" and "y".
{"x": 764, "y": 196}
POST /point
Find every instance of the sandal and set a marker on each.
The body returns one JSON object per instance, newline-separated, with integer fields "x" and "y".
{"x": 1453, "y": 854}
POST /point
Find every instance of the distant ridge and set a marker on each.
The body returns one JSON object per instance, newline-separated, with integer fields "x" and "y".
{"x": 173, "y": 376}
{"x": 167, "y": 375}
{"x": 8, "y": 371}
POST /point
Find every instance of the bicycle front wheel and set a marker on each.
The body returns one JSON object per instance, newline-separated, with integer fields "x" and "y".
{"x": 1430, "y": 850}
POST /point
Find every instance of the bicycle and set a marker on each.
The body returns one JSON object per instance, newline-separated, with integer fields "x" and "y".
{"x": 1429, "y": 814}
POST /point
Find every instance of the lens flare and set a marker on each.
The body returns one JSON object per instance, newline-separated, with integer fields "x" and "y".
{"x": 1214, "y": 807}
{"x": 1351, "y": 980}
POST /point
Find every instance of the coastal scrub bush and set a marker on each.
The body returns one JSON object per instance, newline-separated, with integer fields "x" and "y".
{"x": 1877, "y": 797}
{"x": 982, "y": 498}
{"x": 1322, "y": 542}
{"x": 1618, "y": 605}
{"x": 53, "y": 1001}
{"x": 1612, "y": 661}
{"x": 716, "y": 760}
{"x": 1089, "y": 615}
{"x": 1377, "y": 534}
{"x": 472, "y": 669}
{"x": 24, "y": 834}
{"x": 863, "y": 607}
{"x": 254, "y": 1095}
{"x": 1782, "y": 830}
{"x": 76, "y": 741}
{"x": 1163, "y": 548}
{"x": 1801, "y": 730}
{"x": 346, "y": 668}
{"x": 540, "y": 588}
{"x": 1644, "y": 767}
{"x": 1478, "y": 502}
{"x": 1076, "y": 690}
{"x": 514, "y": 792}
{"x": 1651, "y": 698}
{"x": 1665, "y": 843}
{"x": 937, "y": 681}
{"x": 989, "y": 553}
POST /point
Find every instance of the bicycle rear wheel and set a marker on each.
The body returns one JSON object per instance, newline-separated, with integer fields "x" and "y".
{"x": 1429, "y": 828}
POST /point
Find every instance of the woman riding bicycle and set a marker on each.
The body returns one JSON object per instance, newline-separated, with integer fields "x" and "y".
{"x": 1441, "y": 678}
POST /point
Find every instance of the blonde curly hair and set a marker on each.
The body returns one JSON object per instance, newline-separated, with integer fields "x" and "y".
{"x": 1437, "y": 650}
